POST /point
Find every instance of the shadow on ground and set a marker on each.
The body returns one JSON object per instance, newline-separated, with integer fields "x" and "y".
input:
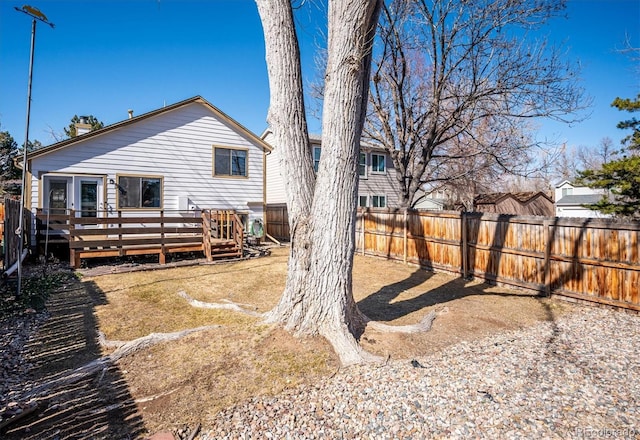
{"x": 97, "y": 407}
{"x": 383, "y": 305}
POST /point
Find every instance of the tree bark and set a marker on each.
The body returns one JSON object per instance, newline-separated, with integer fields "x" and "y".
{"x": 318, "y": 297}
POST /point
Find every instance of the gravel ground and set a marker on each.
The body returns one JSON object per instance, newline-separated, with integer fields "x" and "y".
{"x": 576, "y": 377}
{"x": 14, "y": 334}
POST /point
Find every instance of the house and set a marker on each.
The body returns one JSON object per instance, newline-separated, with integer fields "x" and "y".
{"x": 570, "y": 200}
{"x": 182, "y": 158}
{"x": 377, "y": 187}
{"x": 519, "y": 203}
{"x": 431, "y": 201}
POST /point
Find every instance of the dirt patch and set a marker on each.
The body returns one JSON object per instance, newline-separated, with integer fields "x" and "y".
{"x": 190, "y": 380}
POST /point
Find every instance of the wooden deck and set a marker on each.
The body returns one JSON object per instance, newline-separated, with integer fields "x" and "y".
{"x": 215, "y": 233}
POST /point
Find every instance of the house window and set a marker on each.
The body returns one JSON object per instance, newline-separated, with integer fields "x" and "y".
{"x": 362, "y": 165}
{"x": 378, "y": 201}
{"x": 229, "y": 162}
{"x": 377, "y": 163}
{"x": 316, "y": 158}
{"x": 139, "y": 192}
{"x": 362, "y": 201}
{"x": 567, "y": 191}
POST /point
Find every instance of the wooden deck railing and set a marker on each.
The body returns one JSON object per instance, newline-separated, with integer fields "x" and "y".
{"x": 116, "y": 234}
{"x": 220, "y": 227}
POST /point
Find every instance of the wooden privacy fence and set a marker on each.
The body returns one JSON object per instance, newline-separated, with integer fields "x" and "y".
{"x": 588, "y": 259}
{"x": 216, "y": 233}
{"x": 2, "y": 220}
{"x": 10, "y": 240}
{"x": 277, "y": 221}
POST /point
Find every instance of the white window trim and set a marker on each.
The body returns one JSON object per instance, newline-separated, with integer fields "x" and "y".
{"x": 313, "y": 158}
{"x": 366, "y": 167}
{"x": 384, "y": 157}
{"x": 370, "y": 200}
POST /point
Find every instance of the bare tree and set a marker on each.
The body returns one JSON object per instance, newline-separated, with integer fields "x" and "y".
{"x": 455, "y": 80}
{"x": 318, "y": 297}
{"x": 567, "y": 165}
{"x": 592, "y": 158}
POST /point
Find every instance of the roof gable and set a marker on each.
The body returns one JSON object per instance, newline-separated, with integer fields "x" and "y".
{"x": 521, "y": 197}
{"x": 164, "y": 110}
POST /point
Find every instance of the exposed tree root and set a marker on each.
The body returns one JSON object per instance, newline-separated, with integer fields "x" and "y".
{"x": 342, "y": 340}
{"x": 156, "y": 396}
{"x": 423, "y": 326}
{"x": 347, "y": 348}
{"x": 105, "y": 343}
{"x": 229, "y": 305}
{"x": 98, "y": 365}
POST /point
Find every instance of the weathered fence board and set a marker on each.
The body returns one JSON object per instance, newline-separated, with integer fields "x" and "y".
{"x": 589, "y": 259}
{"x": 11, "y": 240}
{"x": 277, "y": 221}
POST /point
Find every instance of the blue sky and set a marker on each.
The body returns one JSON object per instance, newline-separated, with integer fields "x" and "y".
{"x": 107, "y": 56}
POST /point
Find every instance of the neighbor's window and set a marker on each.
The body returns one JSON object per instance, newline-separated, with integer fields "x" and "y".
{"x": 379, "y": 201}
{"x": 377, "y": 163}
{"x": 229, "y": 162}
{"x": 362, "y": 165}
{"x": 316, "y": 158}
{"x": 139, "y": 192}
{"x": 567, "y": 191}
{"x": 362, "y": 201}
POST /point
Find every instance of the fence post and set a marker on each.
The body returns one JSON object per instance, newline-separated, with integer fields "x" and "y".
{"x": 364, "y": 223}
{"x": 464, "y": 244}
{"x": 405, "y": 244}
{"x": 547, "y": 257}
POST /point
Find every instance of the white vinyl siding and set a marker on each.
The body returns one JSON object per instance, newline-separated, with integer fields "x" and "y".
{"x": 371, "y": 183}
{"x": 176, "y": 145}
{"x": 275, "y": 182}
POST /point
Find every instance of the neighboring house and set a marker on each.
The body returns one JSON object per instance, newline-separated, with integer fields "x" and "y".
{"x": 570, "y": 200}
{"x": 433, "y": 201}
{"x": 186, "y": 156}
{"x": 377, "y": 187}
{"x": 520, "y": 203}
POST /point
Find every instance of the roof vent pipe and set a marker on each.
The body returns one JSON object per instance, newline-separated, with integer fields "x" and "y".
{"x": 130, "y": 113}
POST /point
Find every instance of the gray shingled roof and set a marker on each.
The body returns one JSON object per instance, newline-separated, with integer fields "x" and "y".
{"x": 579, "y": 200}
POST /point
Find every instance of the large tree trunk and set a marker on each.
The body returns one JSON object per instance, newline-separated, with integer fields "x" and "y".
{"x": 318, "y": 297}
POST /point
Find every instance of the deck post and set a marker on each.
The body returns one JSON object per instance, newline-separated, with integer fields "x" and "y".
{"x": 163, "y": 254}
{"x": 74, "y": 256}
{"x": 206, "y": 233}
{"x": 120, "y": 250}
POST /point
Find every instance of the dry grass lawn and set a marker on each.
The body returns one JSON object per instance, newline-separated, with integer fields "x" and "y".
{"x": 188, "y": 381}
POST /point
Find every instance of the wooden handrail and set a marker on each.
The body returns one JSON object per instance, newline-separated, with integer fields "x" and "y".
{"x": 161, "y": 232}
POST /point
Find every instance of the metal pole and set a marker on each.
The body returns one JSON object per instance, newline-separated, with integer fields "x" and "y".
{"x": 20, "y": 231}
